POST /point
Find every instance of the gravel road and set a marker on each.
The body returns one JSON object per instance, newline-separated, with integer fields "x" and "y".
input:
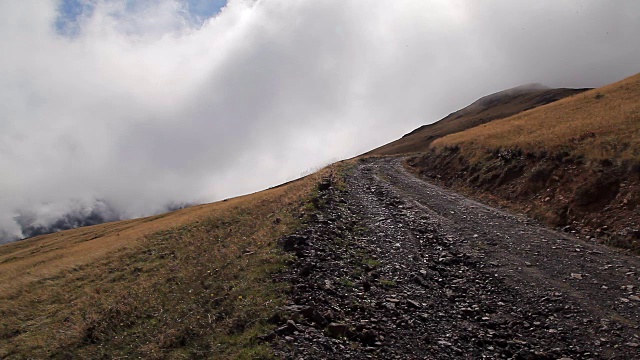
{"x": 394, "y": 267}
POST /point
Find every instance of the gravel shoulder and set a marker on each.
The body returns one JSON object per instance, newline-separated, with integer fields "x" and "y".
{"x": 395, "y": 267}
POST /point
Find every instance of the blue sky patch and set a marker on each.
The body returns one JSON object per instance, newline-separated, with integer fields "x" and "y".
{"x": 70, "y": 12}
{"x": 205, "y": 9}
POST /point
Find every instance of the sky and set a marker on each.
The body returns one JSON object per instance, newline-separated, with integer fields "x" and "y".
{"x": 136, "y": 105}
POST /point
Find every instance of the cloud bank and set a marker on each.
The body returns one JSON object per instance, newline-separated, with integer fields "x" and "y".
{"x": 128, "y": 106}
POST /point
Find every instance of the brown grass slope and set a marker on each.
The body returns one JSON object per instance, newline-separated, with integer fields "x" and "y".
{"x": 491, "y": 107}
{"x": 195, "y": 283}
{"x": 573, "y": 163}
{"x": 599, "y": 124}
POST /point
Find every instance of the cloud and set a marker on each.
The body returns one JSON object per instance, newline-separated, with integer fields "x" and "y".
{"x": 140, "y": 104}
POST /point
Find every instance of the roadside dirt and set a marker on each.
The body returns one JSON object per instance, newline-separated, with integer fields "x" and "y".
{"x": 590, "y": 199}
{"x": 394, "y": 267}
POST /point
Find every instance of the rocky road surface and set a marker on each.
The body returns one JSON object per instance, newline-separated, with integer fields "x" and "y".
{"x": 396, "y": 268}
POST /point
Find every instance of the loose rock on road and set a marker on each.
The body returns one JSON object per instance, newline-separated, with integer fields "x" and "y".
{"x": 394, "y": 267}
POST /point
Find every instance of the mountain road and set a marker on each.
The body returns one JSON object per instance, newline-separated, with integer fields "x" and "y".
{"x": 397, "y": 267}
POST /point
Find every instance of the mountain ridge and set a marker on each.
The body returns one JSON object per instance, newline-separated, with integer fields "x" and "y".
{"x": 491, "y": 107}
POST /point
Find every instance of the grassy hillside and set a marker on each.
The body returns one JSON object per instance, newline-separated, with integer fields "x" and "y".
{"x": 598, "y": 124}
{"x": 195, "y": 283}
{"x": 489, "y": 108}
{"x": 574, "y": 163}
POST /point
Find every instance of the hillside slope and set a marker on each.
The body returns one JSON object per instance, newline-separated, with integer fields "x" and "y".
{"x": 195, "y": 283}
{"x": 573, "y": 163}
{"x": 491, "y": 107}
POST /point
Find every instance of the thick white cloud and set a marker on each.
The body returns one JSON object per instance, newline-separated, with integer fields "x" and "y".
{"x": 142, "y": 106}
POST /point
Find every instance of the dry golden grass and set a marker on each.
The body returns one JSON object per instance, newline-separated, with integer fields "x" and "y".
{"x": 44, "y": 256}
{"x": 41, "y": 257}
{"x": 598, "y": 124}
{"x": 195, "y": 283}
{"x": 489, "y": 108}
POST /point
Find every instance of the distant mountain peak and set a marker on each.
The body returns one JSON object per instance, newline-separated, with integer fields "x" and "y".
{"x": 518, "y": 90}
{"x": 530, "y": 86}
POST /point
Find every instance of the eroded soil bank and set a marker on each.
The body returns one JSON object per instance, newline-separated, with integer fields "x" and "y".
{"x": 592, "y": 200}
{"x": 390, "y": 266}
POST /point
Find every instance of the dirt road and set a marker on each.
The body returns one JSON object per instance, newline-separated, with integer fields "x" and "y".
{"x": 395, "y": 267}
